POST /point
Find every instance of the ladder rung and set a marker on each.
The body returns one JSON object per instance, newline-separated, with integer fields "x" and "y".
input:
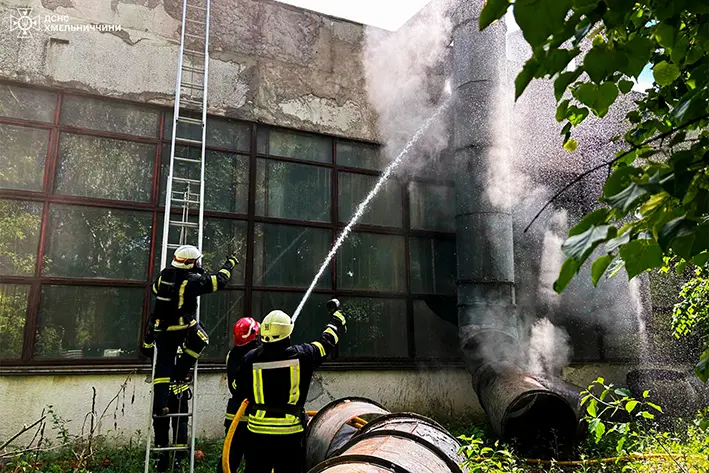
{"x": 183, "y": 201}
{"x": 188, "y": 160}
{"x": 193, "y": 52}
{"x": 186, "y": 180}
{"x": 168, "y": 449}
{"x": 196, "y": 7}
{"x": 190, "y": 85}
{"x": 193, "y": 69}
{"x": 194, "y": 36}
{"x": 177, "y": 223}
{"x": 179, "y": 414}
{"x": 187, "y": 141}
{"x": 173, "y": 246}
{"x": 191, "y": 101}
{"x": 192, "y": 121}
{"x": 195, "y": 21}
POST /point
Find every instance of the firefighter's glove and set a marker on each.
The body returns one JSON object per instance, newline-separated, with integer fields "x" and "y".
{"x": 146, "y": 351}
{"x": 333, "y": 305}
{"x": 234, "y": 260}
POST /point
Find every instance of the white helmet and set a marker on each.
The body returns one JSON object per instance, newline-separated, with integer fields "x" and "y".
{"x": 276, "y": 326}
{"x": 186, "y": 257}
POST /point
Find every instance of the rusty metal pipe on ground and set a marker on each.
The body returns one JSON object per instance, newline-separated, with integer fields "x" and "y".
{"x": 388, "y": 443}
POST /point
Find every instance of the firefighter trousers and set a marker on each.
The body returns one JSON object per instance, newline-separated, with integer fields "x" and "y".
{"x": 193, "y": 340}
{"x": 177, "y": 403}
{"x": 282, "y": 453}
{"x": 237, "y": 449}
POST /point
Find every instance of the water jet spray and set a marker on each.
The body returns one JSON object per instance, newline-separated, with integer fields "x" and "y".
{"x": 365, "y": 203}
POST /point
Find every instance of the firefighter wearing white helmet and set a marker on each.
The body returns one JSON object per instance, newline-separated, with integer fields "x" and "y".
{"x": 172, "y": 327}
{"x": 275, "y": 379}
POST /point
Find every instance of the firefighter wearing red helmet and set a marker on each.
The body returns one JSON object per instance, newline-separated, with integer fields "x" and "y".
{"x": 246, "y": 338}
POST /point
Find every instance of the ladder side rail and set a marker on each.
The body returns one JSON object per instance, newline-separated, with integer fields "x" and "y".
{"x": 175, "y": 114}
{"x": 200, "y": 236}
{"x": 150, "y": 409}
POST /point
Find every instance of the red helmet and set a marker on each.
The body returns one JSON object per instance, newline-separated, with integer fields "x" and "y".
{"x": 245, "y": 330}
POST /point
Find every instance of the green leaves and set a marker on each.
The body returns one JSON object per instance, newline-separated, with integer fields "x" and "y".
{"x": 538, "y": 19}
{"x": 640, "y": 255}
{"x": 638, "y": 51}
{"x": 492, "y": 11}
{"x": 566, "y": 274}
{"x": 599, "y": 98}
{"x": 625, "y": 86}
{"x": 630, "y": 406}
{"x": 665, "y": 73}
{"x": 525, "y": 76}
{"x": 598, "y": 268}
{"x": 562, "y": 82}
{"x": 571, "y": 145}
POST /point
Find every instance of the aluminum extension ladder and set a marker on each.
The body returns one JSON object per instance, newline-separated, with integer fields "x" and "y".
{"x": 185, "y": 181}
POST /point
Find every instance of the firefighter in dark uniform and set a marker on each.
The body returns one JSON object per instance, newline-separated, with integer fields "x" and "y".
{"x": 275, "y": 379}
{"x": 246, "y": 332}
{"x": 173, "y": 327}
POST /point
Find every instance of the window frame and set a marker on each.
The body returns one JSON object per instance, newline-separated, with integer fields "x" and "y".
{"x": 47, "y": 197}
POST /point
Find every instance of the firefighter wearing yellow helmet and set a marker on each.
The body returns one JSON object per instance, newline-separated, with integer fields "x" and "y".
{"x": 275, "y": 378}
{"x": 172, "y": 327}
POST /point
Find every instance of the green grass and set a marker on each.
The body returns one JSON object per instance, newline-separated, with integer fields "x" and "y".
{"x": 688, "y": 443}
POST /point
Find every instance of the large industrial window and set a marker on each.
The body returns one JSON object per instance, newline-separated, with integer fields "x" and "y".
{"x": 82, "y": 191}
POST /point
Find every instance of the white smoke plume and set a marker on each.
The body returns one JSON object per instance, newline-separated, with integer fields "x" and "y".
{"x": 549, "y": 350}
{"x": 406, "y": 75}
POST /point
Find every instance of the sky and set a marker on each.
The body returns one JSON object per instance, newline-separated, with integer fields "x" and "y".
{"x": 392, "y": 14}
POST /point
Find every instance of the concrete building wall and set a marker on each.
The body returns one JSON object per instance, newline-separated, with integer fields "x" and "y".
{"x": 443, "y": 393}
{"x": 269, "y": 62}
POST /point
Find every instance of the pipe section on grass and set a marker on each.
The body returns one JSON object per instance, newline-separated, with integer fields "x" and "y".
{"x": 394, "y": 450}
{"x": 328, "y": 430}
{"x": 518, "y": 406}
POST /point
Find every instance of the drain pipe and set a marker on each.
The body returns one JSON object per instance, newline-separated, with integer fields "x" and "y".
{"x": 519, "y": 406}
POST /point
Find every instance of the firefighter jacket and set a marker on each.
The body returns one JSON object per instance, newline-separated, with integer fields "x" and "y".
{"x": 233, "y": 358}
{"x": 275, "y": 378}
{"x": 177, "y": 290}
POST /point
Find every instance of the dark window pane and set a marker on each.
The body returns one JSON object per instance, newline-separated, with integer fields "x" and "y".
{"x": 432, "y": 207}
{"x": 433, "y": 265}
{"x": 311, "y": 321}
{"x": 19, "y": 237}
{"x": 294, "y": 191}
{"x": 13, "y": 313}
{"x": 221, "y": 132}
{"x": 30, "y": 104}
{"x": 294, "y": 145}
{"x": 359, "y": 155}
{"x": 115, "y": 117}
{"x": 376, "y": 328}
{"x": 94, "y": 242}
{"x": 22, "y": 154}
{"x": 385, "y": 209}
{"x": 220, "y": 236}
{"x": 104, "y": 168}
{"x": 286, "y": 255}
{"x": 89, "y": 322}
{"x": 218, "y": 313}
{"x": 434, "y": 337}
{"x": 226, "y": 177}
{"x": 372, "y": 262}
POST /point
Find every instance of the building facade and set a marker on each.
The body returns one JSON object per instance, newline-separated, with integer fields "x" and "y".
{"x": 292, "y": 148}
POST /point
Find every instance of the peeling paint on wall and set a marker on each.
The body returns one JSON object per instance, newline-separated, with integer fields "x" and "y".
{"x": 269, "y": 61}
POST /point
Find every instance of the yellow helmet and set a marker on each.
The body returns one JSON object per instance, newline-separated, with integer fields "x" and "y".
{"x": 276, "y": 326}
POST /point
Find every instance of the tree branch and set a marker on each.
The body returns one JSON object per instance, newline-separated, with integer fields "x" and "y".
{"x": 584, "y": 174}
{"x": 24, "y": 429}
